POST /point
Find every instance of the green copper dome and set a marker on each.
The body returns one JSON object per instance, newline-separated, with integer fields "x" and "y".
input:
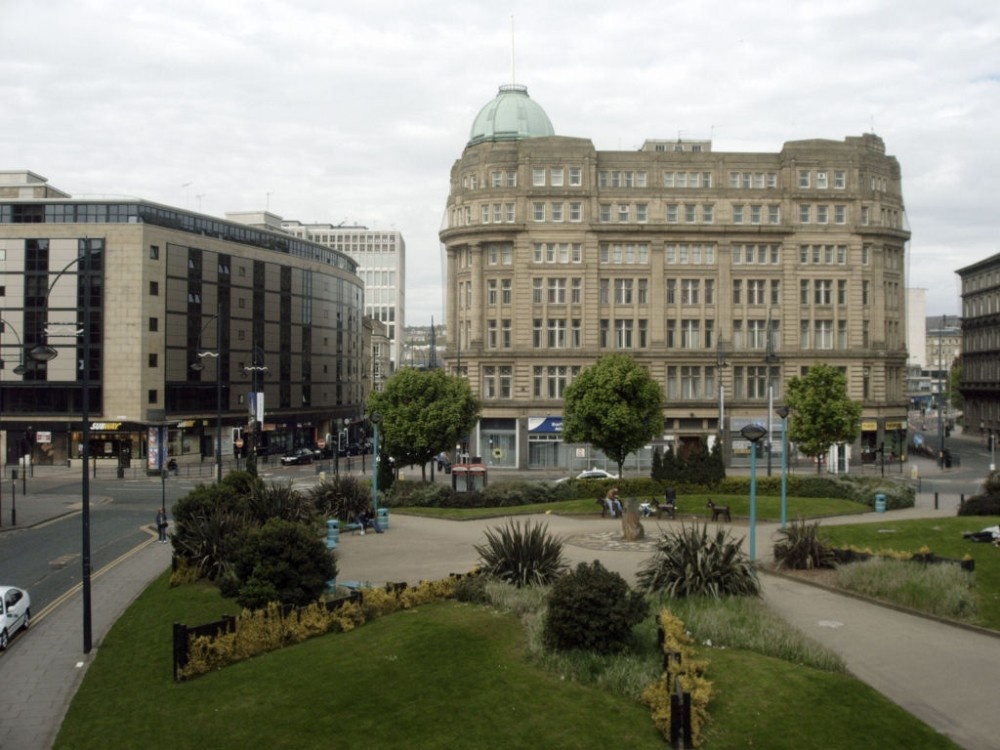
{"x": 512, "y": 116}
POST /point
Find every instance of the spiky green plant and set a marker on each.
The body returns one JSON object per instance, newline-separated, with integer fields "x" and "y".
{"x": 800, "y": 548}
{"x": 207, "y": 540}
{"x": 522, "y": 556}
{"x": 689, "y": 563}
{"x": 341, "y": 497}
{"x": 280, "y": 500}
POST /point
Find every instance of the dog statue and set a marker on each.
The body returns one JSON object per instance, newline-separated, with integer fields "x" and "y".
{"x": 719, "y": 511}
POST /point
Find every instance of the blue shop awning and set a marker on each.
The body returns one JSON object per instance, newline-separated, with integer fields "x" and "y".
{"x": 545, "y": 424}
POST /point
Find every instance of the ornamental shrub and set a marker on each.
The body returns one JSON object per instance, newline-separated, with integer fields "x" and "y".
{"x": 800, "y": 548}
{"x": 592, "y": 609}
{"x": 688, "y": 563}
{"x": 522, "y": 555}
{"x": 282, "y": 561}
{"x": 341, "y": 496}
{"x": 987, "y": 503}
{"x": 680, "y": 664}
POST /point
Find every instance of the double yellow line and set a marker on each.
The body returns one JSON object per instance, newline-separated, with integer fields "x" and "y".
{"x": 62, "y": 599}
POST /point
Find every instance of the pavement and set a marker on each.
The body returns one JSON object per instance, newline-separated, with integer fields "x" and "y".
{"x": 942, "y": 673}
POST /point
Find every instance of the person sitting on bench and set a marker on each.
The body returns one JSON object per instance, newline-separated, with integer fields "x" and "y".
{"x": 612, "y": 504}
{"x": 367, "y": 520}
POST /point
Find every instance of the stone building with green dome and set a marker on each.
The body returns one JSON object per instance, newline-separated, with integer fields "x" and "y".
{"x": 724, "y": 274}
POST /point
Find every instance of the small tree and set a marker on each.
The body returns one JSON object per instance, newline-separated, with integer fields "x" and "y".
{"x": 592, "y": 609}
{"x": 423, "y": 413}
{"x": 955, "y": 396}
{"x": 282, "y": 561}
{"x": 822, "y": 414}
{"x": 614, "y": 405}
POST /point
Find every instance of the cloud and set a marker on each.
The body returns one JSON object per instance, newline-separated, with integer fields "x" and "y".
{"x": 330, "y": 111}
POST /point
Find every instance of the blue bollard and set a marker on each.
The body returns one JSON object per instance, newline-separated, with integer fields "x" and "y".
{"x": 332, "y": 533}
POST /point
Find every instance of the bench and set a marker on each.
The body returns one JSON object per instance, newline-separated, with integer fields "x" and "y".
{"x": 353, "y": 526}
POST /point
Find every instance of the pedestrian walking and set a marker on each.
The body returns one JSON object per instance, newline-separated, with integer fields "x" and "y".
{"x": 161, "y": 525}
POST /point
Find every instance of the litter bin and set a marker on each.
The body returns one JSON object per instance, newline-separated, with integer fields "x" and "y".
{"x": 880, "y": 502}
{"x": 332, "y": 533}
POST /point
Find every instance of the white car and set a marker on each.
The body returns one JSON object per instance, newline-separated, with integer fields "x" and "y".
{"x": 15, "y": 613}
{"x": 596, "y": 474}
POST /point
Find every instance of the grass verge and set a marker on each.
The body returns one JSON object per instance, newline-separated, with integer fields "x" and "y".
{"x": 689, "y": 506}
{"x": 447, "y": 675}
{"x": 943, "y": 536}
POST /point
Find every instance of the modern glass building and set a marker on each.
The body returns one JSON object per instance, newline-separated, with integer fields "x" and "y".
{"x": 174, "y": 319}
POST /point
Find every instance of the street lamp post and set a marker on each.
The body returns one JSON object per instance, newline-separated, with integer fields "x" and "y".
{"x": 753, "y": 433}
{"x": 46, "y": 353}
{"x": 941, "y": 394}
{"x": 19, "y": 370}
{"x": 720, "y": 365}
{"x": 375, "y": 418}
{"x": 256, "y": 407}
{"x": 783, "y": 413}
{"x": 197, "y": 367}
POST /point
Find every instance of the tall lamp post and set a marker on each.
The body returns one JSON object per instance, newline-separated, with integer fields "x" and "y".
{"x": 720, "y": 365}
{"x": 198, "y": 367}
{"x": 256, "y": 407}
{"x": 19, "y": 370}
{"x": 941, "y": 460}
{"x": 46, "y": 353}
{"x": 783, "y": 413}
{"x": 753, "y": 433}
{"x": 769, "y": 359}
{"x": 375, "y": 418}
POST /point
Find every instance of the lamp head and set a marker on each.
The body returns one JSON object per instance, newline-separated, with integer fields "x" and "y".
{"x": 375, "y": 417}
{"x": 783, "y": 411}
{"x": 42, "y": 353}
{"x": 753, "y": 432}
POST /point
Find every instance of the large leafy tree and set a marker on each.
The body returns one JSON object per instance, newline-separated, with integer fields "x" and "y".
{"x": 614, "y": 405}
{"x": 822, "y": 414}
{"x": 423, "y": 413}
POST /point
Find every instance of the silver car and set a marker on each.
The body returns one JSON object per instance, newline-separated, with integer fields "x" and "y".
{"x": 15, "y": 612}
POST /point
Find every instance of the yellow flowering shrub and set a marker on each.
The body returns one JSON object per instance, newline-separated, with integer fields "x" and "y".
{"x": 691, "y": 672}
{"x": 259, "y": 631}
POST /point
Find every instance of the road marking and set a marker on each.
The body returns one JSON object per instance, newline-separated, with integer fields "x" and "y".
{"x": 62, "y": 599}
{"x": 63, "y": 560}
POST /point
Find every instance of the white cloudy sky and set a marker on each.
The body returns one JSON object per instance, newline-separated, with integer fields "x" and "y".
{"x": 326, "y": 111}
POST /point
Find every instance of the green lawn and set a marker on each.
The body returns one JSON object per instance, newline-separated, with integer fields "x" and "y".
{"x": 944, "y": 538}
{"x": 445, "y": 675}
{"x": 768, "y": 508}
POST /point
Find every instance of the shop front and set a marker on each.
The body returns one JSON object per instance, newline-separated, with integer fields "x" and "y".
{"x": 545, "y": 444}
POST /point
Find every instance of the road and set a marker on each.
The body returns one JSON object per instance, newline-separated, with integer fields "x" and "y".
{"x": 45, "y": 556}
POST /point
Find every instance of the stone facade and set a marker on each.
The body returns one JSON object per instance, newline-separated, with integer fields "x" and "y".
{"x": 724, "y": 274}
{"x": 980, "y": 381}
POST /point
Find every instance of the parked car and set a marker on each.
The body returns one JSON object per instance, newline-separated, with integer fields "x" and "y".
{"x": 589, "y": 474}
{"x": 596, "y": 474}
{"x": 298, "y": 456}
{"x": 15, "y": 613}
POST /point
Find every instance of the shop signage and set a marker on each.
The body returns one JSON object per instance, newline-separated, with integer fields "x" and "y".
{"x": 105, "y": 426}
{"x": 869, "y": 426}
